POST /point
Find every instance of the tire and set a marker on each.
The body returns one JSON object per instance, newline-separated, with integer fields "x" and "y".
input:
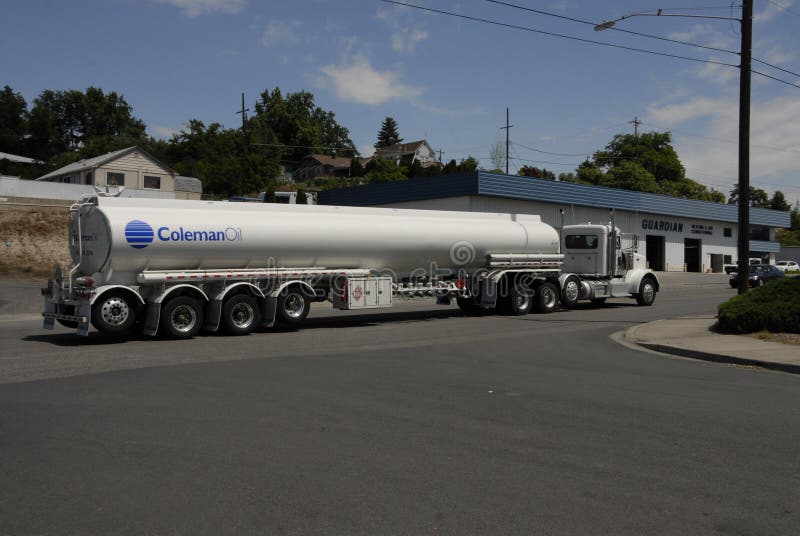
{"x": 733, "y": 284}
{"x": 570, "y": 291}
{"x": 520, "y": 301}
{"x": 181, "y": 318}
{"x": 647, "y": 292}
{"x": 240, "y": 314}
{"x": 113, "y": 313}
{"x": 293, "y": 306}
{"x": 546, "y": 298}
{"x": 598, "y": 301}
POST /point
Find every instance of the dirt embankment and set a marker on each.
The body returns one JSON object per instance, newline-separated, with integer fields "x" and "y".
{"x": 33, "y": 240}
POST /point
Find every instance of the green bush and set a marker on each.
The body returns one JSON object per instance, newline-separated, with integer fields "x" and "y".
{"x": 774, "y": 307}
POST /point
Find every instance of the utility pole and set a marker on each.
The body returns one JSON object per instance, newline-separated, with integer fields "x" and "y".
{"x": 440, "y": 155}
{"x": 635, "y": 124}
{"x": 507, "y": 128}
{"x": 743, "y": 242}
{"x": 244, "y": 143}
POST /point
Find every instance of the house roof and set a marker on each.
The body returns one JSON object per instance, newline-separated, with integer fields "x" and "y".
{"x": 188, "y": 184}
{"x": 97, "y": 161}
{"x": 325, "y": 160}
{"x": 401, "y": 148}
{"x": 19, "y": 159}
{"x": 563, "y": 193}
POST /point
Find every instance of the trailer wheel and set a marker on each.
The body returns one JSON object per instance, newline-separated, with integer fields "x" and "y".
{"x": 546, "y": 298}
{"x": 520, "y": 301}
{"x": 240, "y": 314}
{"x": 182, "y": 317}
{"x": 113, "y": 313}
{"x": 293, "y": 306}
{"x": 570, "y": 291}
{"x": 647, "y": 292}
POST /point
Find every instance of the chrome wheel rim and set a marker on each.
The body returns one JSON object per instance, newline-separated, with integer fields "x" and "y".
{"x": 183, "y": 318}
{"x": 548, "y": 297}
{"x": 521, "y": 302}
{"x": 294, "y": 305}
{"x": 571, "y": 291}
{"x": 115, "y": 311}
{"x": 242, "y": 315}
{"x": 648, "y": 292}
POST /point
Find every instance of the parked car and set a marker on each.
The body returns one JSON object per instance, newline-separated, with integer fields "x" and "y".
{"x": 787, "y": 266}
{"x": 759, "y": 275}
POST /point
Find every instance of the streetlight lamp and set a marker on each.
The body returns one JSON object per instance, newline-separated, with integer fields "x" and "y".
{"x": 743, "y": 238}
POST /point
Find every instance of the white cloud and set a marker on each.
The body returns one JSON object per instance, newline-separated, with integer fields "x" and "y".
{"x": 366, "y": 150}
{"x": 360, "y": 82}
{"x": 406, "y": 33}
{"x": 194, "y": 8}
{"x": 772, "y": 10}
{"x": 162, "y": 132}
{"x": 712, "y": 151}
{"x": 281, "y": 33}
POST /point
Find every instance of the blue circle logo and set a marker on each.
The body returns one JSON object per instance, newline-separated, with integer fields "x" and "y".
{"x": 138, "y": 234}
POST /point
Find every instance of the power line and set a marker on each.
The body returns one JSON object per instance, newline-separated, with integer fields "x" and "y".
{"x": 784, "y": 8}
{"x": 776, "y": 67}
{"x": 765, "y": 75}
{"x": 553, "y": 34}
{"x": 640, "y": 34}
{"x": 549, "y": 152}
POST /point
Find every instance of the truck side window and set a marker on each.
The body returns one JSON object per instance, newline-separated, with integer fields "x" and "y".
{"x": 581, "y": 241}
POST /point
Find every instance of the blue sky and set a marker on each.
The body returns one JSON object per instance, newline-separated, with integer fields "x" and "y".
{"x": 443, "y": 78}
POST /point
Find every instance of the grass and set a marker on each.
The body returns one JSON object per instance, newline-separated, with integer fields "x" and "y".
{"x": 775, "y": 308}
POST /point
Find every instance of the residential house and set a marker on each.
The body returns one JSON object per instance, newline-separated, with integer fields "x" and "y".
{"x": 134, "y": 168}
{"x": 408, "y": 153}
{"x": 321, "y": 165}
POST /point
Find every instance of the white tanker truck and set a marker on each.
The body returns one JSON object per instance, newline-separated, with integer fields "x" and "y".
{"x": 176, "y": 267}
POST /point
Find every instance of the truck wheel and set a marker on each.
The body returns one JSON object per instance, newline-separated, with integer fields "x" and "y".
{"x": 647, "y": 292}
{"x": 293, "y": 306}
{"x": 520, "y": 301}
{"x": 546, "y": 298}
{"x": 182, "y": 317}
{"x": 240, "y": 314}
{"x": 468, "y": 306}
{"x": 113, "y": 313}
{"x": 570, "y": 291}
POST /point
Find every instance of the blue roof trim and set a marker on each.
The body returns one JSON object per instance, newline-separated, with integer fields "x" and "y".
{"x": 563, "y": 193}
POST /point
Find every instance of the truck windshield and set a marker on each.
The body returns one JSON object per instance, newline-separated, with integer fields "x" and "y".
{"x": 581, "y": 241}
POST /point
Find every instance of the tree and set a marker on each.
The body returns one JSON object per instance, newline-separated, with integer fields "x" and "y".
{"x": 758, "y": 197}
{"x": 301, "y": 197}
{"x": 497, "y": 154}
{"x": 385, "y": 170}
{"x": 13, "y": 121}
{"x": 298, "y": 124}
{"x": 536, "y": 173}
{"x": 388, "y": 134}
{"x": 778, "y": 202}
{"x": 356, "y": 169}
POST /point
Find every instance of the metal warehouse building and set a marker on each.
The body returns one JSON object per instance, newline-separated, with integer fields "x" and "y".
{"x": 675, "y": 234}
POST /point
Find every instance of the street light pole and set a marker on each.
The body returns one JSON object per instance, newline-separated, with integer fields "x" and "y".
{"x": 743, "y": 242}
{"x": 743, "y": 237}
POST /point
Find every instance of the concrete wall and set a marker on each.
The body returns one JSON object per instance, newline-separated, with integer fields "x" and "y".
{"x": 21, "y": 188}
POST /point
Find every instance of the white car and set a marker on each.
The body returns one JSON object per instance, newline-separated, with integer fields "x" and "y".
{"x": 787, "y": 266}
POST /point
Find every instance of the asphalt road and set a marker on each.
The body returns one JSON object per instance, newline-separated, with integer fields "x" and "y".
{"x": 415, "y": 421}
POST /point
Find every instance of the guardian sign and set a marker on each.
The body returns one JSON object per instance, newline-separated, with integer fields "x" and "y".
{"x": 139, "y": 234}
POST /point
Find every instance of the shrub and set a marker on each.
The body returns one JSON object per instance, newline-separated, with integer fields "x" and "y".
{"x": 774, "y": 307}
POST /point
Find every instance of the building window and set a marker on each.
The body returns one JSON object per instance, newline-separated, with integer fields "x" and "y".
{"x": 115, "y": 179}
{"x": 726, "y": 232}
{"x": 152, "y": 182}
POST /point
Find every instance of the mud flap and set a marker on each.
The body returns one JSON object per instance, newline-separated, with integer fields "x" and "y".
{"x": 49, "y": 307}
{"x": 213, "y": 315}
{"x": 83, "y": 327}
{"x": 488, "y": 290}
{"x": 269, "y": 309}
{"x": 151, "y": 318}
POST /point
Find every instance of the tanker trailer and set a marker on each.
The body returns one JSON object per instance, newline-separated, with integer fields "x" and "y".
{"x": 175, "y": 267}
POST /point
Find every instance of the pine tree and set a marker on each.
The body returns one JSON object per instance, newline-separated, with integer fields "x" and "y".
{"x": 388, "y": 134}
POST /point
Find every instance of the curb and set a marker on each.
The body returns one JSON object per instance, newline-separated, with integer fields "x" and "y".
{"x": 789, "y": 368}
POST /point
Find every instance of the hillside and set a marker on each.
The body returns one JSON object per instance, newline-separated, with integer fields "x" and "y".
{"x": 33, "y": 240}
